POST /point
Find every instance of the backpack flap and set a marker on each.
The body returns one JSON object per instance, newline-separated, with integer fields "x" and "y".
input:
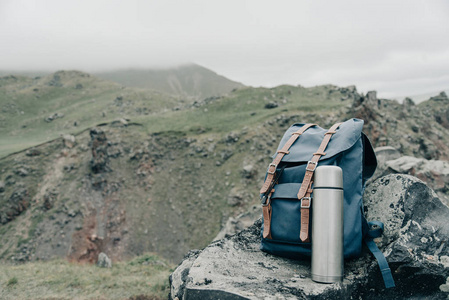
{"x": 347, "y": 134}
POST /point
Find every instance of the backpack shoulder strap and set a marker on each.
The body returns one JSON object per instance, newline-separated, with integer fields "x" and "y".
{"x": 280, "y": 154}
{"x": 305, "y": 190}
{"x": 375, "y": 229}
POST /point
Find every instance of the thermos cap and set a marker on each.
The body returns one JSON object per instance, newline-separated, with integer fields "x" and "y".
{"x": 328, "y": 176}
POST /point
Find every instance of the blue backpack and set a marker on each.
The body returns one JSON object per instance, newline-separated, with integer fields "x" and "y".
{"x": 287, "y": 192}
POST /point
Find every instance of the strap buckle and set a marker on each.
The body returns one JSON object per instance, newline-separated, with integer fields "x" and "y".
{"x": 266, "y": 200}
{"x": 272, "y": 165}
{"x": 311, "y": 163}
{"x": 308, "y": 204}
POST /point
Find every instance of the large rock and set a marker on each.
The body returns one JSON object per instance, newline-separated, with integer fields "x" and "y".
{"x": 237, "y": 224}
{"x": 383, "y": 155}
{"x": 433, "y": 172}
{"x": 104, "y": 261}
{"x": 414, "y": 242}
{"x": 99, "y": 145}
{"x": 68, "y": 140}
{"x": 18, "y": 202}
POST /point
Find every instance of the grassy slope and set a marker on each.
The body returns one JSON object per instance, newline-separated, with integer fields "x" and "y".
{"x": 244, "y": 107}
{"x": 26, "y": 102}
{"x": 145, "y": 275}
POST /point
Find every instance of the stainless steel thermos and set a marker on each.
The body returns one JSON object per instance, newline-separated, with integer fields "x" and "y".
{"x": 327, "y": 225}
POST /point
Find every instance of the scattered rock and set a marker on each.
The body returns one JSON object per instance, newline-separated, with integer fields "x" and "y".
{"x": 49, "y": 199}
{"x": 114, "y": 152}
{"x": 442, "y": 116}
{"x": 54, "y": 117}
{"x": 226, "y": 154}
{"x": 427, "y": 149}
{"x": 371, "y": 96}
{"x": 23, "y": 172}
{"x": 138, "y": 154}
{"x": 236, "y": 197}
{"x": 414, "y": 242}
{"x": 442, "y": 97}
{"x": 69, "y": 140}
{"x": 33, "y": 152}
{"x": 408, "y": 102}
{"x": 56, "y": 80}
{"x": 237, "y": 224}
{"x": 248, "y": 171}
{"x": 232, "y": 138}
{"x": 405, "y": 164}
{"x": 386, "y": 153}
{"x": 9, "y": 180}
{"x": 68, "y": 168}
{"x": 118, "y": 101}
{"x": 271, "y": 105}
{"x": 104, "y": 261}
{"x": 2, "y": 186}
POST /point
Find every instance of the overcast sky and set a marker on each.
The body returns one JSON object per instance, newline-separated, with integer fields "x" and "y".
{"x": 395, "y": 47}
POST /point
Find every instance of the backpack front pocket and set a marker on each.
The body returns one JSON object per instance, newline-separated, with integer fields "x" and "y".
{"x": 286, "y": 213}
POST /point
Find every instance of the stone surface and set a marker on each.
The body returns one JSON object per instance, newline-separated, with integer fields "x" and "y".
{"x": 33, "y": 152}
{"x": 54, "y": 117}
{"x": 17, "y": 203}
{"x": 433, "y": 172}
{"x": 414, "y": 242}
{"x": 99, "y": 145}
{"x": 386, "y": 153}
{"x": 104, "y": 261}
{"x": 271, "y": 105}
{"x": 68, "y": 140}
{"x": 237, "y": 224}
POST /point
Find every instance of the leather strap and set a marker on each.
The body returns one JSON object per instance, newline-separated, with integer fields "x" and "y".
{"x": 266, "y": 210}
{"x": 304, "y": 194}
{"x": 280, "y": 154}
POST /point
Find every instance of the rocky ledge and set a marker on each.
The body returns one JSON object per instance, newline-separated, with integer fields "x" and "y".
{"x": 414, "y": 242}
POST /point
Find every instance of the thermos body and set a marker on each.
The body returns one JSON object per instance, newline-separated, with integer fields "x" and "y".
{"x": 327, "y": 225}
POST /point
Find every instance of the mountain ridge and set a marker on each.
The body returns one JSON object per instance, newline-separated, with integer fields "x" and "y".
{"x": 189, "y": 80}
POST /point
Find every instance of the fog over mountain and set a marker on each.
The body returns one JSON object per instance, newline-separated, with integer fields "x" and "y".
{"x": 398, "y": 48}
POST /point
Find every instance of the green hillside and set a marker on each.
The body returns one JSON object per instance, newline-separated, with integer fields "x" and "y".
{"x": 36, "y": 110}
{"x": 145, "y": 172}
